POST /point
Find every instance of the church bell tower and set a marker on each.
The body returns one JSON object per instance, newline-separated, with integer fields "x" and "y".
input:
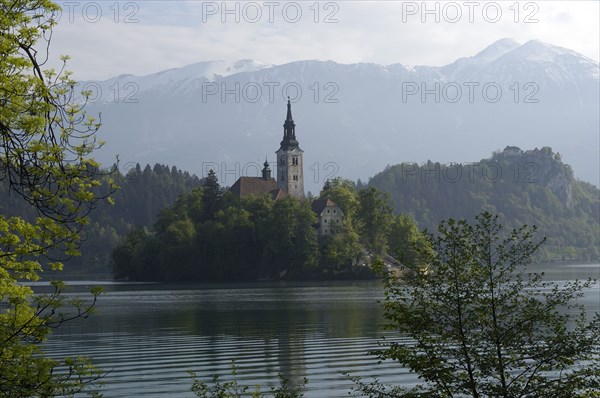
{"x": 290, "y": 175}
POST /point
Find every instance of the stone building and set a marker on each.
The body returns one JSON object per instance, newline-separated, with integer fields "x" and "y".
{"x": 328, "y": 214}
{"x": 289, "y": 180}
{"x": 290, "y": 174}
{"x": 265, "y": 184}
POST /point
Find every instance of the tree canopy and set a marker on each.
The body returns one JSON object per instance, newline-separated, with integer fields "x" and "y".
{"x": 46, "y": 141}
{"x": 475, "y": 323}
{"x": 534, "y": 187}
{"x": 211, "y": 235}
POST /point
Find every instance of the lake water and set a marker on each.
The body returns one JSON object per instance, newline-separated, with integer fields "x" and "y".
{"x": 149, "y": 335}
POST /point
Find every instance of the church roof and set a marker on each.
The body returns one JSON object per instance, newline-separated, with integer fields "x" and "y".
{"x": 246, "y": 186}
{"x": 318, "y": 205}
{"x": 278, "y": 193}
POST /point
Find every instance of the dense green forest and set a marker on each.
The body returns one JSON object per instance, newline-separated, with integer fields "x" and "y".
{"x": 531, "y": 187}
{"x": 210, "y": 235}
{"x": 524, "y": 187}
{"x": 141, "y": 194}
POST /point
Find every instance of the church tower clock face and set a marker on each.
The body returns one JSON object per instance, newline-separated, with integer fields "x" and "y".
{"x": 290, "y": 175}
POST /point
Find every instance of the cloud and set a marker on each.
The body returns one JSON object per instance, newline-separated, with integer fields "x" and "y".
{"x": 171, "y": 34}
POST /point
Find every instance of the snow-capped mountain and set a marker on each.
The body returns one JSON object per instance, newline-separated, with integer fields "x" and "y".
{"x": 354, "y": 119}
{"x": 172, "y": 81}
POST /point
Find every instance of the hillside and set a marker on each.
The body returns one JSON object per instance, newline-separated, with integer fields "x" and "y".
{"x": 142, "y": 193}
{"x": 527, "y": 187}
{"x": 533, "y": 187}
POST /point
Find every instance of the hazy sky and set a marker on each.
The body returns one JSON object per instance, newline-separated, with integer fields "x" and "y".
{"x": 108, "y": 38}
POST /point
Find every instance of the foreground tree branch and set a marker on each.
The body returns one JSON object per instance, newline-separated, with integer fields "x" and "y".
{"x": 46, "y": 142}
{"x": 479, "y": 325}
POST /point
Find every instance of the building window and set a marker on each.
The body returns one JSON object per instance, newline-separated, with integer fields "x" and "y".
{"x": 325, "y": 221}
{"x": 295, "y": 160}
{"x": 281, "y": 161}
{"x": 334, "y": 211}
{"x": 337, "y": 221}
{"x": 295, "y": 177}
{"x": 327, "y": 210}
{"x": 282, "y": 177}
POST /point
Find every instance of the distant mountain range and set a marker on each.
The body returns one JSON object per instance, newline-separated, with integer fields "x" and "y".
{"x": 354, "y": 119}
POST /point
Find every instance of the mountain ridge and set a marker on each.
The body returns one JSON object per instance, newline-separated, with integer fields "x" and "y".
{"x": 358, "y": 117}
{"x": 498, "y": 49}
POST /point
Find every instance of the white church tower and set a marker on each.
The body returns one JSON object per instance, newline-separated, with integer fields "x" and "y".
{"x": 290, "y": 175}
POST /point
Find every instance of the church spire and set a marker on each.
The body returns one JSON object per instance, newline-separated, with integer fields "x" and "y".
{"x": 290, "y": 175}
{"x": 289, "y": 112}
{"x": 289, "y": 129}
{"x": 266, "y": 171}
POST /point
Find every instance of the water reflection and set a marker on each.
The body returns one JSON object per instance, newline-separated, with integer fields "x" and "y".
{"x": 155, "y": 333}
{"x": 151, "y": 335}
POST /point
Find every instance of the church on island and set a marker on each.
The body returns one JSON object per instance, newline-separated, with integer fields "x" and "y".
{"x": 289, "y": 179}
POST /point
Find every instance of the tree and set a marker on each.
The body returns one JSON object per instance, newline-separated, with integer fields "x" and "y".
{"x": 374, "y": 218}
{"x": 293, "y": 236}
{"x": 125, "y": 259}
{"x": 434, "y": 192}
{"x": 45, "y": 145}
{"x": 343, "y": 193}
{"x": 340, "y": 250}
{"x": 476, "y": 324}
{"x": 404, "y": 240}
{"x": 212, "y": 194}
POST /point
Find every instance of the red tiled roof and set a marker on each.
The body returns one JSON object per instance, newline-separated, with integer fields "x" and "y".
{"x": 318, "y": 205}
{"x": 246, "y": 186}
{"x": 278, "y": 193}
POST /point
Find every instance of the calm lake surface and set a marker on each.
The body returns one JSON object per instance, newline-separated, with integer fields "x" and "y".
{"x": 149, "y": 335}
